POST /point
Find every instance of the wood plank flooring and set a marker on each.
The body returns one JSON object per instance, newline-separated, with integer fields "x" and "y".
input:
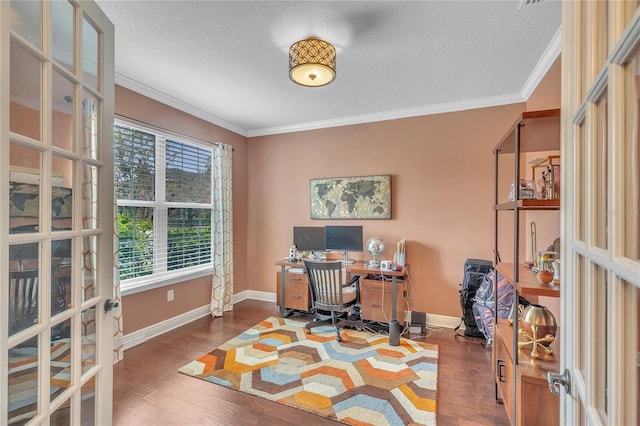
{"x": 148, "y": 390}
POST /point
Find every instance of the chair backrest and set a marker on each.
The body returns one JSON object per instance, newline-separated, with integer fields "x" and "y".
{"x": 325, "y": 281}
{"x": 23, "y": 299}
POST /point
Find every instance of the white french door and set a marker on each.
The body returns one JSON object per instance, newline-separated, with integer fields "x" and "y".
{"x": 600, "y": 293}
{"x": 56, "y": 212}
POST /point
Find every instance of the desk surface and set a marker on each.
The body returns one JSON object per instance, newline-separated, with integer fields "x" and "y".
{"x": 358, "y": 267}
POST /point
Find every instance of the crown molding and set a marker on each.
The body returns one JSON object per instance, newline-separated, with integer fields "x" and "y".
{"x": 549, "y": 56}
{"x": 163, "y": 98}
{"x": 392, "y": 115}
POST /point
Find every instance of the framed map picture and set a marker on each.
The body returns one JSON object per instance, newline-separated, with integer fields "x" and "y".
{"x": 362, "y": 197}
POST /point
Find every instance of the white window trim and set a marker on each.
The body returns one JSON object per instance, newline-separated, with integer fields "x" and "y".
{"x": 150, "y": 282}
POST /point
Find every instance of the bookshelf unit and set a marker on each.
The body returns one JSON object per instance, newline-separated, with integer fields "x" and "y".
{"x": 521, "y": 383}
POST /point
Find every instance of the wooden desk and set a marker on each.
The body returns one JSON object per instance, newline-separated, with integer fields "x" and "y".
{"x": 357, "y": 268}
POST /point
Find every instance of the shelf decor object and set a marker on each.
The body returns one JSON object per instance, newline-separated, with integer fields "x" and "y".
{"x": 363, "y": 197}
{"x": 538, "y": 329}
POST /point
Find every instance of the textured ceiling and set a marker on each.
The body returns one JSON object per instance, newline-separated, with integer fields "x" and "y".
{"x": 227, "y": 61}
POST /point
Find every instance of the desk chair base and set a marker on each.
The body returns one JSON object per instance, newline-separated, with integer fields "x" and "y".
{"x": 321, "y": 320}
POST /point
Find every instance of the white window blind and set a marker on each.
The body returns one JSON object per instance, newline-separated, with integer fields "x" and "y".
{"x": 164, "y": 199}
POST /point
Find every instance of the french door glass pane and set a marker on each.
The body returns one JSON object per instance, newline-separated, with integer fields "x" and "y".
{"x": 600, "y": 162}
{"x": 26, "y": 20}
{"x": 60, "y": 276}
{"x": 25, "y": 82}
{"x": 23, "y": 278}
{"x": 601, "y": 48}
{"x": 89, "y": 197}
{"x": 631, "y": 198}
{"x": 22, "y": 390}
{"x": 89, "y": 267}
{"x": 88, "y": 336}
{"x": 581, "y": 295}
{"x": 24, "y": 189}
{"x": 62, "y": 416}
{"x": 62, "y": 114}
{"x": 60, "y": 368}
{"x": 600, "y": 336}
{"x": 88, "y": 405}
{"x": 90, "y": 49}
{"x": 90, "y": 126}
{"x": 62, "y": 29}
{"x": 581, "y": 184}
{"x": 61, "y": 200}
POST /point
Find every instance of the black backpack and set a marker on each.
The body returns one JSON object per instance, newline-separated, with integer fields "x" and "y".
{"x": 474, "y": 272}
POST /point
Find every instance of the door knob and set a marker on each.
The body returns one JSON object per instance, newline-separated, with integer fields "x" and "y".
{"x": 109, "y": 305}
{"x": 557, "y": 379}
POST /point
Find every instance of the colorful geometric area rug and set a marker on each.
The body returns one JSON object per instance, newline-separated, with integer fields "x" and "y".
{"x": 360, "y": 381}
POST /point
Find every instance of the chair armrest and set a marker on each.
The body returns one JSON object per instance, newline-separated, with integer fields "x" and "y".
{"x": 354, "y": 280}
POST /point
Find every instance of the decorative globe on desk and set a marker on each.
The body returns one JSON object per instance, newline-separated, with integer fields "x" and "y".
{"x": 375, "y": 247}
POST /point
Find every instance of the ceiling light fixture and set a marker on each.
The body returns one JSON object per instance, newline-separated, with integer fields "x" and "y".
{"x": 312, "y": 62}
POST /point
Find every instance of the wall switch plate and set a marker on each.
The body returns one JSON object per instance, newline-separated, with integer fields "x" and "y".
{"x": 169, "y": 295}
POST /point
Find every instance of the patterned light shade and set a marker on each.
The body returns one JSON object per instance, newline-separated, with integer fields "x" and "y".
{"x": 312, "y": 62}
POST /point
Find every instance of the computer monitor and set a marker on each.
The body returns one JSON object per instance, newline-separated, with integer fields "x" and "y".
{"x": 344, "y": 238}
{"x": 308, "y": 238}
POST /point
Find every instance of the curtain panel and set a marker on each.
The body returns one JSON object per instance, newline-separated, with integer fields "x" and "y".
{"x": 118, "y": 334}
{"x": 222, "y": 232}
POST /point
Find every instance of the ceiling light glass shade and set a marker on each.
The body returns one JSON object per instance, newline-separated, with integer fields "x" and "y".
{"x": 312, "y": 62}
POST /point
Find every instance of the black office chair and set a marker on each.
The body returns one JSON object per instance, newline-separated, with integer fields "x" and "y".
{"x": 332, "y": 299}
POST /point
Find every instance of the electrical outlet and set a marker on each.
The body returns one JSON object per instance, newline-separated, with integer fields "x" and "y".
{"x": 170, "y": 295}
{"x": 407, "y": 317}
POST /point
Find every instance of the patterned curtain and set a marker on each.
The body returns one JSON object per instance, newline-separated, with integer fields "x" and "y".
{"x": 118, "y": 351}
{"x": 222, "y": 232}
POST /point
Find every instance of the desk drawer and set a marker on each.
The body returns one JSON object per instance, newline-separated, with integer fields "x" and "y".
{"x": 296, "y": 292}
{"x": 376, "y": 299}
{"x": 296, "y": 279}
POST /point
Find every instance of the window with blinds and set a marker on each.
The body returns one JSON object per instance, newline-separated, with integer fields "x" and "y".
{"x": 164, "y": 200}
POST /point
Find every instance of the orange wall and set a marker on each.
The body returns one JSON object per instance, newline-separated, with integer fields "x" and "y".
{"x": 196, "y": 293}
{"x": 442, "y": 193}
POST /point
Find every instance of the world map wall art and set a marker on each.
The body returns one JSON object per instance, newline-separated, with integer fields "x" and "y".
{"x": 362, "y": 197}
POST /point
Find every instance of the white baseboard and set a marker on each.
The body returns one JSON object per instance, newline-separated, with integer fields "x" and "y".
{"x": 442, "y": 321}
{"x": 264, "y": 296}
{"x": 138, "y": 337}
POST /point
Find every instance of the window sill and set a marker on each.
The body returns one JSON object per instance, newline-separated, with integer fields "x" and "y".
{"x": 138, "y": 285}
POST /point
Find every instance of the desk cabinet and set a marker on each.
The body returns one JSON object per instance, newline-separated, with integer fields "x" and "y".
{"x": 375, "y": 300}
{"x": 296, "y": 291}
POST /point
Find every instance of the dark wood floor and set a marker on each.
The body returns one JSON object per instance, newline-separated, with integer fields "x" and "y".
{"x": 148, "y": 390}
